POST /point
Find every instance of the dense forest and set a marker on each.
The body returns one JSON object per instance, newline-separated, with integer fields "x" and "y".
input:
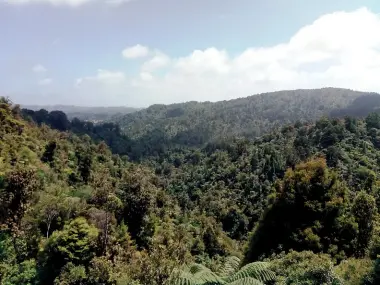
{"x": 194, "y": 123}
{"x": 93, "y": 114}
{"x": 272, "y": 190}
{"x": 159, "y": 129}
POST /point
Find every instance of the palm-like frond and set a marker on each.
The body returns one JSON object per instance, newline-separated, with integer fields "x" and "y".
{"x": 246, "y": 281}
{"x": 196, "y": 274}
{"x": 230, "y": 266}
{"x": 256, "y": 273}
{"x": 257, "y": 270}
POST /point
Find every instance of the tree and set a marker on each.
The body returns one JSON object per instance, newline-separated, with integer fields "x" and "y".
{"x": 107, "y": 202}
{"x": 48, "y": 155}
{"x": 364, "y": 210}
{"x": 101, "y": 271}
{"x": 74, "y": 244}
{"x": 373, "y": 121}
{"x": 310, "y": 212}
{"x": 168, "y": 250}
{"x": 355, "y": 271}
{"x": 24, "y": 273}
{"x": 58, "y": 120}
{"x": 49, "y": 208}
{"x": 13, "y": 271}
{"x": 84, "y": 163}
{"x": 19, "y": 187}
{"x": 72, "y": 275}
{"x": 304, "y": 268}
{"x": 138, "y": 196}
{"x": 257, "y": 273}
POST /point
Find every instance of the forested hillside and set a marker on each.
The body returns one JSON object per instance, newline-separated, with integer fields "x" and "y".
{"x": 193, "y": 123}
{"x": 161, "y": 128}
{"x": 93, "y": 114}
{"x": 73, "y": 213}
{"x": 297, "y": 205}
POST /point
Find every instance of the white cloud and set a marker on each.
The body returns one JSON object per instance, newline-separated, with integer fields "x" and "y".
{"x": 38, "y": 68}
{"x": 341, "y": 49}
{"x": 45, "y": 81}
{"x": 135, "y": 52}
{"x": 210, "y": 60}
{"x": 146, "y": 76}
{"x": 104, "y": 77}
{"x": 117, "y": 2}
{"x": 71, "y": 3}
{"x": 160, "y": 60}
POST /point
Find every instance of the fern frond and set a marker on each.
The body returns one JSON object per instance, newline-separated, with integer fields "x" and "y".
{"x": 183, "y": 280}
{"x": 230, "y": 266}
{"x": 207, "y": 277}
{"x": 196, "y": 274}
{"x": 256, "y": 273}
{"x": 196, "y": 268}
{"x": 246, "y": 281}
{"x": 256, "y": 270}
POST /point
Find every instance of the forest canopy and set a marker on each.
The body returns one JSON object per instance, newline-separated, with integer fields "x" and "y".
{"x": 85, "y": 203}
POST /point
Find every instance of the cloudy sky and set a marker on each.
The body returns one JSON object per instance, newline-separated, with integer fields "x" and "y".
{"x": 141, "y": 52}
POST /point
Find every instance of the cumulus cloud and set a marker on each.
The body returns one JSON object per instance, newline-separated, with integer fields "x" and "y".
{"x": 45, "y": 81}
{"x": 38, "y": 68}
{"x": 159, "y": 60}
{"x": 117, "y": 2}
{"x": 146, "y": 76}
{"x": 340, "y": 49}
{"x": 210, "y": 60}
{"x": 104, "y": 77}
{"x": 135, "y": 52}
{"x": 71, "y": 3}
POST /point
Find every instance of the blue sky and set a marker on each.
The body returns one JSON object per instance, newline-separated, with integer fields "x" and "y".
{"x": 141, "y": 52}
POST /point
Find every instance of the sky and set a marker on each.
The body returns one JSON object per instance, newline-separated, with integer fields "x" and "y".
{"x": 142, "y": 52}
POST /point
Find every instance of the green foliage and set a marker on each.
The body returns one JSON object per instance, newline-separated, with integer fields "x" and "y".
{"x": 74, "y": 244}
{"x": 138, "y": 195}
{"x": 12, "y": 271}
{"x": 72, "y": 275}
{"x": 364, "y": 210}
{"x": 24, "y": 273}
{"x": 75, "y": 212}
{"x": 304, "y": 268}
{"x": 19, "y": 186}
{"x": 92, "y": 114}
{"x": 355, "y": 271}
{"x": 251, "y": 274}
{"x": 160, "y": 128}
{"x": 375, "y": 274}
{"x": 311, "y": 211}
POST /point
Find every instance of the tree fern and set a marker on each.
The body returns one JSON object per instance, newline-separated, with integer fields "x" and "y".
{"x": 246, "y": 281}
{"x": 257, "y": 270}
{"x": 256, "y": 273}
{"x": 231, "y": 265}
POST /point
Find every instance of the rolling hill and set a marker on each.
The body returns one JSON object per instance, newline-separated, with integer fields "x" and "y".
{"x": 303, "y": 198}
{"x": 194, "y": 124}
{"x": 94, "y": 114}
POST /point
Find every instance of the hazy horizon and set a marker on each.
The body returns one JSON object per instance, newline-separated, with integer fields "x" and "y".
{"x": 36, "y": 106}
{"x": 137, "y": 53}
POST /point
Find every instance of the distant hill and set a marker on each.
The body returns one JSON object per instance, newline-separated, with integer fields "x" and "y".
{"x": 94, "y": 114}
{"x": 194, "y": 123}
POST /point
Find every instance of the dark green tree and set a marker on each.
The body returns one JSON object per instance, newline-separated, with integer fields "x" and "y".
{"x": 364, "y": 210}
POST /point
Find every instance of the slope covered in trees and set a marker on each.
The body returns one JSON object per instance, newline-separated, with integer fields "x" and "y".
{"x": 194, "y": 124}
{"x": 93, "y": 114}
{"x": 161, "y": 128}
{"x": 73, "y": 213}
{"x": 298, "y": 205}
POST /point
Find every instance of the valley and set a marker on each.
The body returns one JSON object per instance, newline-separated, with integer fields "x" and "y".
{"x": 279, "y": 188}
